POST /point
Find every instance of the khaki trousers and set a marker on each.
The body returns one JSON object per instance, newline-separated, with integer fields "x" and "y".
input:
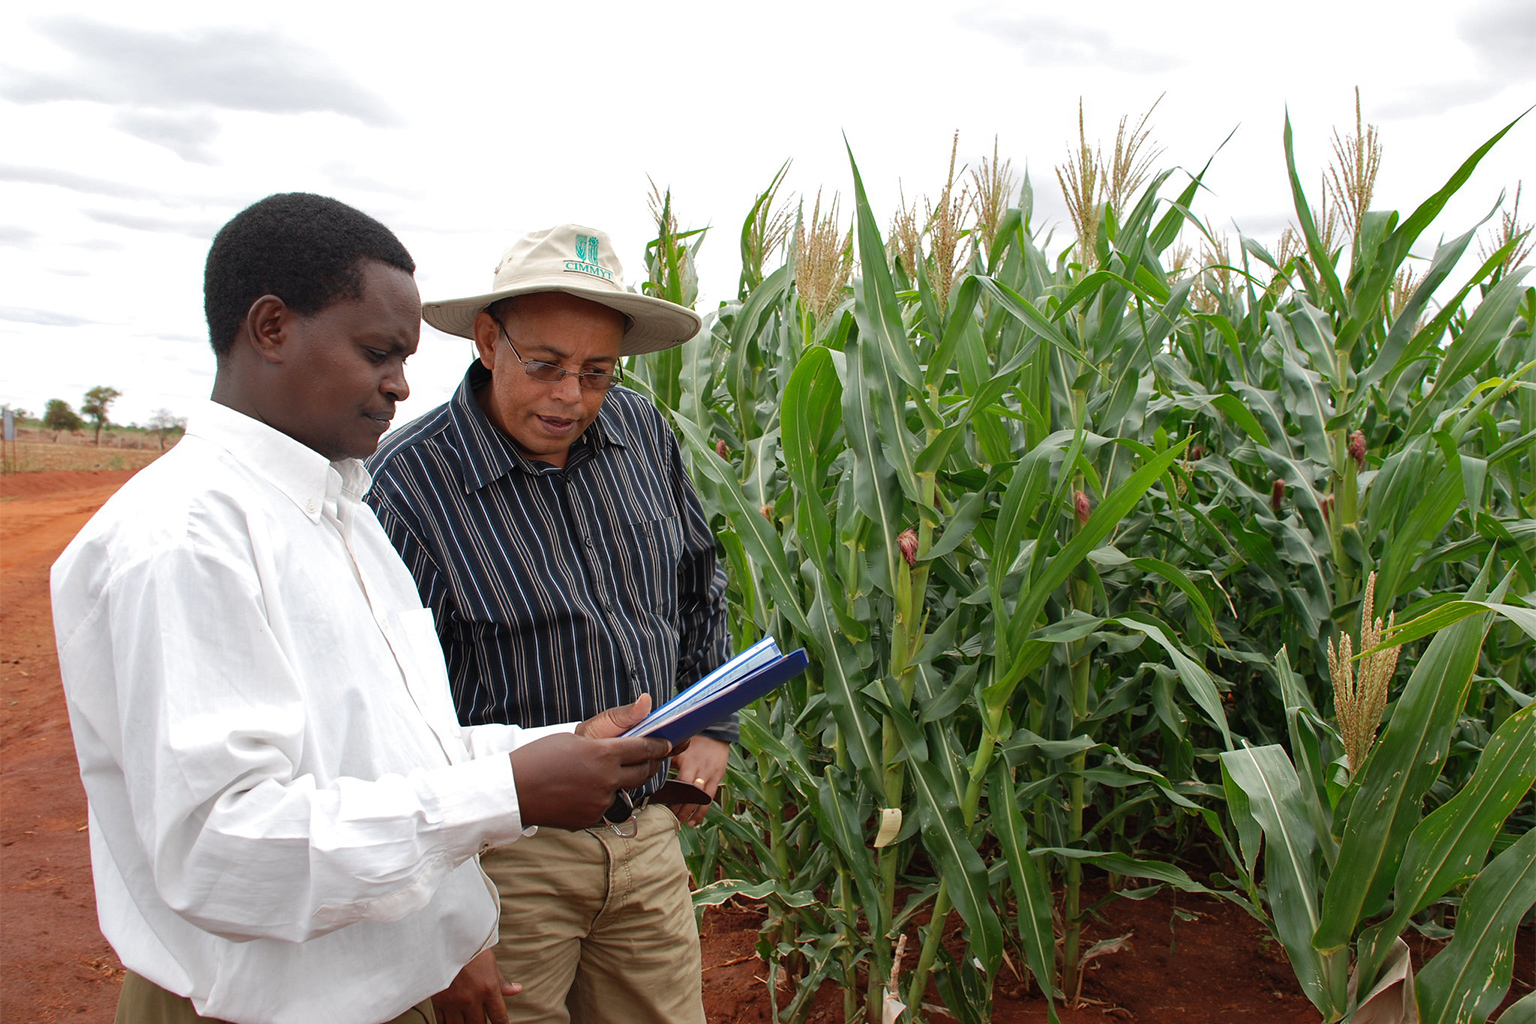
{"x": 599, "y": 929}
{"x": 144, "y": 1002}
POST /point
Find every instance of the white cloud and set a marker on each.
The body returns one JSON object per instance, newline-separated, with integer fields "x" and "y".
{"x": 44, "y": 317}
{"x": 193, "y": 339}
{"x": 99, "y": 245}
{"x": 17, "y": 237}
{"x": 1502, "y": 35}
{"x": 74, "y": 181}
{"x": 188, "y": 135}
{"x": 131, "y": 141}
{"x": 1500, "y": 38}
{"x": 1048, "y": 42}
{"x": 1430, "y": 99}
{"x": 204, "y": 229}
{"x": 348, "y": 176}
{"x": 236, "y": 69}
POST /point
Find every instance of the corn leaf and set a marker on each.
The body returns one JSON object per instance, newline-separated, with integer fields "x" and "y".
{"x": 1396, "y": 248}
{"x": 957, "y": 862}
{"x": 1267, "y": 781}
{"x": 1449, "y": 846}
{"x": 838, "y": 819}
{"x": 1391, "y": 350}
{"x": 842, "y": 680}
{"x": 1030, "y": 889}
{"x": 1197, "y": 681}
{"x": 1321, "y": 258}
{"x": 756, "y": 533}
{"x": 1391, "y": 784}
{"x": 811, "y": 412}
{"x": 1450, "y": 613}
{"x": 716, "y": 893}
{"x": 1103, "y": 519}
{"x": 1465, "y": 981}
{"x": 1485, "y": 329}
{"x": 1521, "y": 1011}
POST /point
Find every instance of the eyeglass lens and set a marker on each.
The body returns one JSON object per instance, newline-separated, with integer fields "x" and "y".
{"x": 550, "y": 373}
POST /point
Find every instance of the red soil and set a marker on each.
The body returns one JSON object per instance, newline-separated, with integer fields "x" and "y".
{"x": 55, "y": 963}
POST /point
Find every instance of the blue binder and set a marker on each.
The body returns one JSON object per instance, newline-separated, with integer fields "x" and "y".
{"x": 705, "y": 711}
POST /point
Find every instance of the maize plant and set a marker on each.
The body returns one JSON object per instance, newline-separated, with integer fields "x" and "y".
{"x": 1348, "y": 864}
{"x": 1041, "y": 523}
{"x": 902, "y": 491}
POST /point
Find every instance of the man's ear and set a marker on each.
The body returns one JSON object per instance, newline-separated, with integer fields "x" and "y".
{"x": 486, "y": 334}
{"x": 265, "y": 327}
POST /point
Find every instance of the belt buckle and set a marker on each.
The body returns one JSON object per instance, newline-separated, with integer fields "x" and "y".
{"x": 628, "y": 826}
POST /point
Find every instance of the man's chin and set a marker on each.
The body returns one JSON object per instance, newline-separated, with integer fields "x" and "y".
{"x": 365, "y": 450}
{"x": 360, "y": 448}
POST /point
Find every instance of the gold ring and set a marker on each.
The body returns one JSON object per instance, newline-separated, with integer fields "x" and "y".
{"x": 698, "y": 782}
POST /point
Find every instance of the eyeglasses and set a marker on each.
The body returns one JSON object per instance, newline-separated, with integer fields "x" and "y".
{"x": 551, "y": 373}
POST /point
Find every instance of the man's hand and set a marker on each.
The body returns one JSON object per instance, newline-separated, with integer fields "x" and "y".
{"x": 614, "y": 721}
{"x": 476, "y": 995}
{"x": 569, "y": 780}
{"x": 703, "y": 765}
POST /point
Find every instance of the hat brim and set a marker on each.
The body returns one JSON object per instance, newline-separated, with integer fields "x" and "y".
{"x": 654, "y": 324}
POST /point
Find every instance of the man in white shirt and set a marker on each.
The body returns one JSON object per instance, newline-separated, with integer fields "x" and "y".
{"x": 285, "y": 815}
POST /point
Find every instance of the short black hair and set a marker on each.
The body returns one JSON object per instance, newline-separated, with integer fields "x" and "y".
{"x": 501, "y": 307}
{"x": 308, "y": 250}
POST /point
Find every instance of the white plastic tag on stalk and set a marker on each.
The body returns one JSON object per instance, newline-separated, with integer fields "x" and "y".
{"x": 890, "y": 824}
{"x": 890, "y": 1008}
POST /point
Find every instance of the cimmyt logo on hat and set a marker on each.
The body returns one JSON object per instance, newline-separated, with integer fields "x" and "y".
{"x": 586, "y": 259}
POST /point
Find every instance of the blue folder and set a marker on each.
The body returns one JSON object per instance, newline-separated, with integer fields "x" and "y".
{"x": 727, "y": 701}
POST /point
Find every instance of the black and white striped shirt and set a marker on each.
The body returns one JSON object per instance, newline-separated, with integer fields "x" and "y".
{"x": 557, "y": 592}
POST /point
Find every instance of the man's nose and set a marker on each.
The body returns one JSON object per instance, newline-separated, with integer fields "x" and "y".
{"x": 568, "y": 388}
{"x": 396, "y": 386}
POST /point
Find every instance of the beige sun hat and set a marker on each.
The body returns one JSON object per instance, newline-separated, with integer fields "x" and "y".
{"x": 579, "y": 261}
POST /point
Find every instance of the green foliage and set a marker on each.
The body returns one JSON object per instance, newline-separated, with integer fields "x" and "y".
{"x": 1338, "y": 858}
{"x": 163, "y": 423}
{"x": 1042, "y": 536}
{"x": 96, "y": 403}
{"x": 59, "y": 417}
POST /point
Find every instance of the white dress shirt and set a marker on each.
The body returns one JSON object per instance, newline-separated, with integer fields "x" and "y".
{"x": 284, "y": 811}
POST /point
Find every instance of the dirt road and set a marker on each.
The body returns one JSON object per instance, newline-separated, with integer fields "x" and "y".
{"x": 55, "y": 964}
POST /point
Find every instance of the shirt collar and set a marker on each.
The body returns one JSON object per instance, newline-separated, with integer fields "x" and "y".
{"x": 295, "y": 469}
{"x": 488, "y": 455}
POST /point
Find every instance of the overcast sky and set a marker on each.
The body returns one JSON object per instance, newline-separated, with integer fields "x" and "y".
{"x": 133, "y": 132}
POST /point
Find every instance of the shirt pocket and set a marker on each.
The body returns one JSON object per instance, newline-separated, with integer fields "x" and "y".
{"x": 653, "y": 548}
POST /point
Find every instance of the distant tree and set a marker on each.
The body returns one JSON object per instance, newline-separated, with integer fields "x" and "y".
{"x": 20, "y": 413}
{"x": 59, "y": 417}
{"x": 96, "y": 403}
{"x": 164, "y": 423}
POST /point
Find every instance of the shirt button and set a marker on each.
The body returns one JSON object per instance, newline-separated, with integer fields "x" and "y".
{"x": 311, "y": 507}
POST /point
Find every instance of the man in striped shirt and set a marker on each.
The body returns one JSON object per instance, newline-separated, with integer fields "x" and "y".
{"x": 550, "y": 526}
